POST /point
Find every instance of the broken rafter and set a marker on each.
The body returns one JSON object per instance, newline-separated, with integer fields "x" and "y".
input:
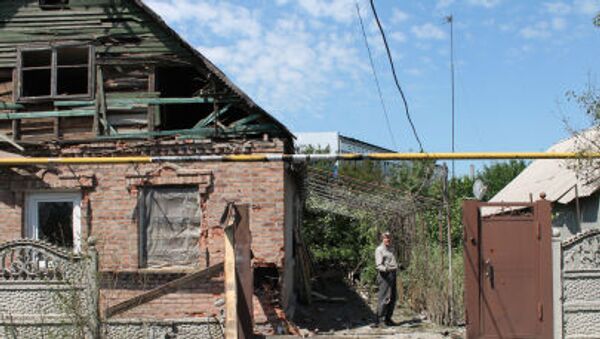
{"x": 211, "y": 117}
{"x": 246, "y": 120}
{"x": 12, "y": 142}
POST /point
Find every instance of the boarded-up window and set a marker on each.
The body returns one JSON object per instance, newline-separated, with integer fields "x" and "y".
{"x": 170, "y": 225}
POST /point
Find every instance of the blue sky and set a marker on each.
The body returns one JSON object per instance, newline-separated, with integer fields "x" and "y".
{"x": 305, "y": 61}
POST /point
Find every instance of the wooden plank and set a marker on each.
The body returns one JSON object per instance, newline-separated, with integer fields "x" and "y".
{"x": 161, "y": 101}
{"x": 48, "y": 114}
{"x": 128, "y": 119}
{"x": 84, "y": 103}
{"x": 211, "y": 117}
{"x": 10, "y": 105}
{"x": 199, "y": 275}
{"x": 246, "y": 120}
{"x": 151, "y": 114}
{"x": 16, "y": 124}
{"x": 231, "y": 314}
{"x": 101, "y": 98}
{"x": 125, "y": 95}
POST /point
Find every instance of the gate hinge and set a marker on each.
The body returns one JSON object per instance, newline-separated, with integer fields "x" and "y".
{"x": 540, "y": 311}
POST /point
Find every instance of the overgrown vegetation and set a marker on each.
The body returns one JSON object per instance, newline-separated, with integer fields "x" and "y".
{"x": 347, "y": 244}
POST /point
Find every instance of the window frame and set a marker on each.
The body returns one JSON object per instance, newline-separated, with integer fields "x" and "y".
{"x": 32, "y": 218}
{"x": 54, "y": 68}
{"x": 142, "y": 238}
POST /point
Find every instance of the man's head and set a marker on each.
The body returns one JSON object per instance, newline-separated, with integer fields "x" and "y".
{"x": 386, "y": 237}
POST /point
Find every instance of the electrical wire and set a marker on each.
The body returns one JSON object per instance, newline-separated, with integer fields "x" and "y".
{"x": 383, "y": 107}
{"x": 389, "y": 55}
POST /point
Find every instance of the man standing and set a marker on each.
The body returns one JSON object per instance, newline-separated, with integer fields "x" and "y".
{"x": 386, "y": 264}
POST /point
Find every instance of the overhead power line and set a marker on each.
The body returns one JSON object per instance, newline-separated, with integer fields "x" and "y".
{"x": 389, "y": 55}
{"x": 383, "y": 107}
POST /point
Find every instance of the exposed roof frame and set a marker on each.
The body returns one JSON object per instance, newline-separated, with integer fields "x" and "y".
{"x": 210, "y": 66}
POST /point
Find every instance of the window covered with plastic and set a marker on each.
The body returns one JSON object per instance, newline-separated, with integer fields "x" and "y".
{"x": 170, "y": 220}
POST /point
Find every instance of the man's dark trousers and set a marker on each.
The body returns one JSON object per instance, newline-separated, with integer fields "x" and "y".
{"x": 386, "y": 296}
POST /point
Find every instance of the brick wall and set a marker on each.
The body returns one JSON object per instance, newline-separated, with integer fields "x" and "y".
{"x": 109, "y": 199}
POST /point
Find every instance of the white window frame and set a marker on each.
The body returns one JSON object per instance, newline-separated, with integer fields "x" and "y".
{"x": 32, "y": 217}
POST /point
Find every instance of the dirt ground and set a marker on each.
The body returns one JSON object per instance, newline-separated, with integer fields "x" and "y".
{"x": 351, "y": 316}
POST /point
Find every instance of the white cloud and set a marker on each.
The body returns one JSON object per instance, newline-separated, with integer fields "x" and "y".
{"x": 543, "y": 29}
{"x": 442, "y": 4}
{"x": 559, "y": 24}
{"x": 220, "y": 18}
{"x": 587, "y": 7}
{"x": 507, "y": 27}
{"x": 285, "y": 62}
{"x": 288, "y": 68}
{"x": 485, "y": 3}
{"x": 428, "y": 31}
{"x": 519, "y": 52}
{"x": 539, "y": 30}
{"x": 398, "y": 36}
{"x": 398, "y": 16}
{"x": 414, "y": 71}
{"x": 558, "y": 8}
{"x": 338, "y": 10}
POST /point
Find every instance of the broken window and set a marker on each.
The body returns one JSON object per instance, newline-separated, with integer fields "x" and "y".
{"x": 49, "y": 4}
{"x": 180, "y": 82}
{"x": 57, "y": 72}
{"x": 55, "y": 218}
{"x": 170, "y": 226}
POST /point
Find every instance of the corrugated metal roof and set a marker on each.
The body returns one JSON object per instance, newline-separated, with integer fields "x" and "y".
{"x": 553, "y": 177}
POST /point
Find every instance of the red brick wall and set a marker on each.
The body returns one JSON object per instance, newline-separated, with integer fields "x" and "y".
{"x": 109, "y": 213}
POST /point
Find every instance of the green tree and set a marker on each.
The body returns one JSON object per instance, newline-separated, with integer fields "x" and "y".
{"x": 499, "y": 174}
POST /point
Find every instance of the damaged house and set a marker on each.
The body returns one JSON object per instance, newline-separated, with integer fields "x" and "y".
{"x": 107, "y": 78}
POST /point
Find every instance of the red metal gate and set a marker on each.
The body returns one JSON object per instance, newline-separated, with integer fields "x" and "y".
{"x": 508, "y": 270}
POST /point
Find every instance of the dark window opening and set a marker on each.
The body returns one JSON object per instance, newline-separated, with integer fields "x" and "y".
{"x": 41, "y": 58}
{"x": 36, "y": 83}
{"x": 56, "y": 223}
{"x": 170, "y": 226}
{"x": 72, "y": 81}
{"x": 180, "y": 82}
{"x": 55, "y": 72}
{"x": 53, "y": 3}
{"x": 69, "y": 56}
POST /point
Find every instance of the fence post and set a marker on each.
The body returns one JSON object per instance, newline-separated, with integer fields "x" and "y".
{"x": 94, "y": 287}
{"x": 557, "y": 283}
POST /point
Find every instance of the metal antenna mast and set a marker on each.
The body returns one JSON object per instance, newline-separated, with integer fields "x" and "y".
{"x": 450, "y": 20}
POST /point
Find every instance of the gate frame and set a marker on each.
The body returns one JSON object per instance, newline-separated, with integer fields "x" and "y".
{"x": 542, "y": 215}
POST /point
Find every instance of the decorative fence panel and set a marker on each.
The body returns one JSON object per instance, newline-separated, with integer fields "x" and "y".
{"x": 581, "y": 286}
{"x": 46, "y": 291}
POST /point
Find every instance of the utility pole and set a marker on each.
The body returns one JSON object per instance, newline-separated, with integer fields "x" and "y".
{"x": 446, "y": 198}
{"x": 450, "y": 20}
